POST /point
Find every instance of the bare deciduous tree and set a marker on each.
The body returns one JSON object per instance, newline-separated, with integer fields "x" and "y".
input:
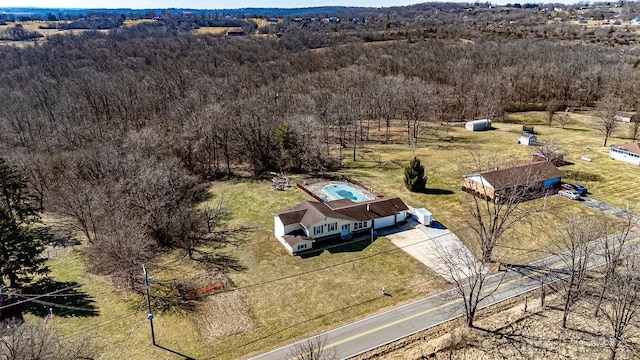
{"x": 622, "y": 306}
{"x": 313, "y": 348}
{"x": 42, "y": 342}
{"x": 552, "y": 149}
{"x": 573, "y": 245}
{"x": 634, "y": 130}
{"x": 564, "y": 120}
{"x": 553, "y": 106}
{"x": 471, "y": 279}
{"x": 493, "y": 211}
{"x": 615, "y": 237}
{"x": 605, "y": 120}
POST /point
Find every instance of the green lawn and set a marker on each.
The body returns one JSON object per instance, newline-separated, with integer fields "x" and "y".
{"x": 280, "y": 298}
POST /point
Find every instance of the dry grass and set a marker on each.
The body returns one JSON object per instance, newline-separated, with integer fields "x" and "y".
{"x": 130, "y": 23}
{"x": 35, "y": 26}
{"x": 291, "y": 296}
{"x": 215, "y": 30}
{"x": 223, "y": 315}
{"x": 283, "y": 298}
{"x": 260, "y": 22}
{"x": 446, "y": 153}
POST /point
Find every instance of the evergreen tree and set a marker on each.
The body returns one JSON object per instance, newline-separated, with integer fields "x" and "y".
{"x": 21, "y": 241}
{"x": 414, "y": 178}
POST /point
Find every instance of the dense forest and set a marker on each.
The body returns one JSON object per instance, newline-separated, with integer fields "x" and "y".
{"x": 120, "y": 130}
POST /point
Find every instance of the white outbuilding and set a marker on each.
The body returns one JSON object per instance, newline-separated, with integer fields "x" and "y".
{"x": 424, "y": 216}
{"x": 478, "y": 125}
{"x": 528, "y": 139}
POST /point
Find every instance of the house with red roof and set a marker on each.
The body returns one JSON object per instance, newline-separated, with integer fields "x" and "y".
{"x": 308, "y": 224}
{"x": 629, "y": 153}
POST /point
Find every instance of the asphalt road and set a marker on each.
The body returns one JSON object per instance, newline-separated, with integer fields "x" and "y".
{"x": 397, "y": 323}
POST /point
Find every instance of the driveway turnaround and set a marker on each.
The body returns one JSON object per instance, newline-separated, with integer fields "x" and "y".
{"x": 433, "y": 246}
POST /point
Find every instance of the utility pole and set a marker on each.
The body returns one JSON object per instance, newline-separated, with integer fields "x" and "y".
{"x": 148, "y": 280}
{"x": 150, "y": 314}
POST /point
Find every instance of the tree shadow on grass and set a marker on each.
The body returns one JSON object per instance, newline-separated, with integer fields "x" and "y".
{"x": 352, "y": 246}
{"x": 67, "y": 299}
{"x": 337, "y": 246}
{"x": 431, "y": 191}
{"x": 581, "y": 176}
{"x": 217, "y": 261}
{"x": 520, "y": 340}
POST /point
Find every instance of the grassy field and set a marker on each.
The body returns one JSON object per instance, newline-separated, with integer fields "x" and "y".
{"x": 35, "y": 26}
{"x": 218, "y": 30}
{"x": 279, "y": 298}
{"x": 261, "y": 22}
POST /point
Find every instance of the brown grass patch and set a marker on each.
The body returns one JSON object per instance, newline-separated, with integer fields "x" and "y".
{"x": 218, "y": 30}
{"x": 223, "y": 315}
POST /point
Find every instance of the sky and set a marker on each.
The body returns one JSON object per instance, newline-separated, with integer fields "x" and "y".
{"x": 198, "y": 4}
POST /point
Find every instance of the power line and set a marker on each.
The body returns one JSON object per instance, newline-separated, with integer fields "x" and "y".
{"x": 396, "y": 248}
{"x": 41, "y": 296}
{"x": 61, "y": 305}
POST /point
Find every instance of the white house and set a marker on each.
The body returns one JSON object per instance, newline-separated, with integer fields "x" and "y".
{"x": 310, "y": 222}
{"x": 528, "y": 139}
{"x": 623, "y": 118}
{"x": 478, "y": 125}
{"x": 629, "y": 153}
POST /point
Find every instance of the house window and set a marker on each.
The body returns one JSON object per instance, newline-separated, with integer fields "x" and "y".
{"x": 333, "y": 226}
{"x": 302, "y": 246}
{"x": 318, "y": 230}
{"x": 365, "y": 224}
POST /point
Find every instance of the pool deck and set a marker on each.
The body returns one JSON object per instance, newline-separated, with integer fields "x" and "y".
{"x": 317, "y": 188}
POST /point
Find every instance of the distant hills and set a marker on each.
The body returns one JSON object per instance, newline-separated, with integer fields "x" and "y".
{"x": 27, "y": 11}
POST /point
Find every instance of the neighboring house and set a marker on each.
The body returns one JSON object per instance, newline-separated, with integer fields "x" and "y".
{"x": 310, "y": 222}
{"x": 629, "y": 153}
{"x": 623, "y": 118}
{"x": 235, "y": 33}
{"x": 528, "y": 181}
{"x": 528, "y": 139}
{"x": 478, "y": 125}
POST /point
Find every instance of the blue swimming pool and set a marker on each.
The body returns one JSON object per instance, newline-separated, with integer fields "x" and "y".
{"x": 344, "y": 191}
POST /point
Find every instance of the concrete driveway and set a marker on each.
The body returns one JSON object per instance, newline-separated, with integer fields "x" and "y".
{"x": 436, "y": 247}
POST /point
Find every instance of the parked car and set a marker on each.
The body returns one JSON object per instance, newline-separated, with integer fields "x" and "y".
{"x": 575, "y": 187}
{"x": 571, "y": 194}
{"x": 580, "y": 189}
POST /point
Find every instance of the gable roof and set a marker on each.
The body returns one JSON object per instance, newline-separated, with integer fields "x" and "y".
{"x": 521, "y": 175}
{"x": 527, "y": 135}
{"x": 295, "y": 239}
{"x": 372, "y": 209}
{"x": 632, "y": 147}
{"x": 308, "y": 212}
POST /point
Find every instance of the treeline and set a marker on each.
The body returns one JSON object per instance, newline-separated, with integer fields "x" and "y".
{"x": 18, "y": 33}
{"x": 118, "y": 130}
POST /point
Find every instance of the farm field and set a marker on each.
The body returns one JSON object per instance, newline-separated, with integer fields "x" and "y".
{"x": 279, "y": 298}
{"x": 219, "y": 30}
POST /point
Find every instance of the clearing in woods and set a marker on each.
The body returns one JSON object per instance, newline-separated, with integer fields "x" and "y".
{"x": 280, "y": 298}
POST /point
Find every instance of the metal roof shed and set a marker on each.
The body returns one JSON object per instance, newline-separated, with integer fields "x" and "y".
{"x": 478, "y": 125}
